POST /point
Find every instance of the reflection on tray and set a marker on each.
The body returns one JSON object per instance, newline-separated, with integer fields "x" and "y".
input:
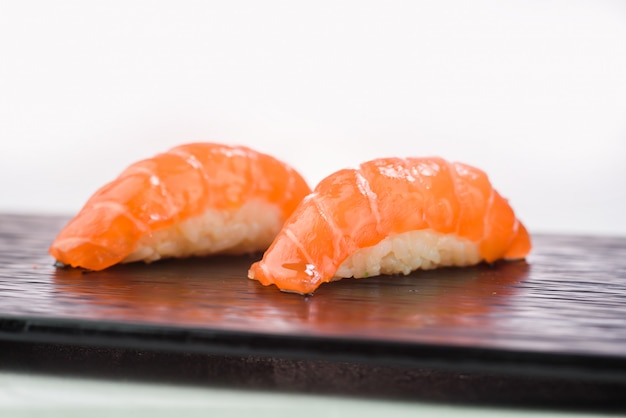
{"x": 215, "y": 293}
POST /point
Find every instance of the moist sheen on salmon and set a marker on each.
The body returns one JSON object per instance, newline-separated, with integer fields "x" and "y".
{"x": 392, "y": 215}
{"x": 195, "y": 199}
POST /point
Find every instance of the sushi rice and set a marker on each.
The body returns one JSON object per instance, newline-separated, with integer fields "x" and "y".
{"x": 409, "y": 251}
{"x": 254, "y": 225}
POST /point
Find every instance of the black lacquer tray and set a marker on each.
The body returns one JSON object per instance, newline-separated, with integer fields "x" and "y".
{"x": 551, "y": 329}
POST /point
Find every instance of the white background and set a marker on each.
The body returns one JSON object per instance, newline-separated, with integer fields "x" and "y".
{"x": 533, "y": 92}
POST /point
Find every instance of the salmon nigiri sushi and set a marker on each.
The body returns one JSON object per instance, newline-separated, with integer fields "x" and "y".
{"x": 196, "y": 199}
{"x": 391, "y": 216}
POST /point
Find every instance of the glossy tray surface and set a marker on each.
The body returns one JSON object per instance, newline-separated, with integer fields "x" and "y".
{"x": 568, "y": 300}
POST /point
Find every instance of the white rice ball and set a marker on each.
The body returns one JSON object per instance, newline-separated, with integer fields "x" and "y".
{"x": 248, "y": 229}
{"x": 409, "y": 251}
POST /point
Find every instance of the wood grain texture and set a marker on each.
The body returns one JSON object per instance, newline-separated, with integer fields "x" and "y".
{"x": 569, "y": 297}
